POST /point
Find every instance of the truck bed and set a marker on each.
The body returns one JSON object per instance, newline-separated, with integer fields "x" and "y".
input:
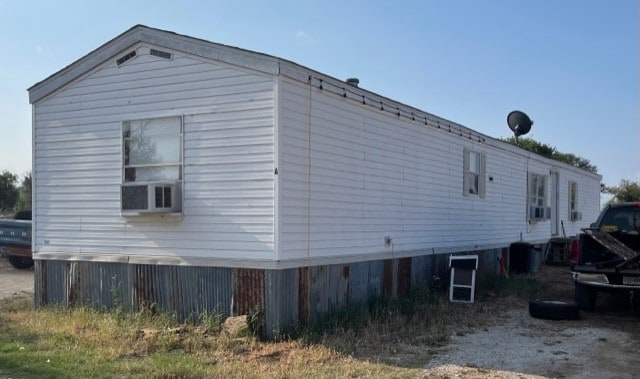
{"x": 15, "y": 237}
{"x": 609, "y": 256}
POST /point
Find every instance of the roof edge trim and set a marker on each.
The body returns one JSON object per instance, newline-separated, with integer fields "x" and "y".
{"x": 162, "y": 38}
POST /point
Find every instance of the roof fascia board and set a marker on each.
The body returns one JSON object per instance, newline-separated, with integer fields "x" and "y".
{"x": 83, "y": 65}
{"x": 205, "y": 49}
{"x": 211, "y": 50}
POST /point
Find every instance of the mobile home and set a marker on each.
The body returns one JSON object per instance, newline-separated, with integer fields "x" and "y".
{"x": 198, "y": 176}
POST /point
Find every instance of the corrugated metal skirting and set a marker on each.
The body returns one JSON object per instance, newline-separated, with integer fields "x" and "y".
{"x": 185, "y": 290}
{"x": 282, "y": 298}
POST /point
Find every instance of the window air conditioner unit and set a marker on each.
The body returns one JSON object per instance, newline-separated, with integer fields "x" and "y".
{"x": 539, "y": 213}
{"x": 158, "y": 197}
{"x": 576, "y": 216}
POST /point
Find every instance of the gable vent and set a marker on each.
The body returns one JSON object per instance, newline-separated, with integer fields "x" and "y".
{"x": 125, "y": 58}
{"x": 160, "y": 54}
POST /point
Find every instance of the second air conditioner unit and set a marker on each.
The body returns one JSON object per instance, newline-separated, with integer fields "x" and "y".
{"x": 539, "y": 213}
{"x": 576, "y": 216}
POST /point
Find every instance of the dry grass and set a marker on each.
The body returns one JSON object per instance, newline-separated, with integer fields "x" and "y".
{"x": 417, "y": 327}
{"x": 392, "y": 339}
{"x": 85, "y": 343}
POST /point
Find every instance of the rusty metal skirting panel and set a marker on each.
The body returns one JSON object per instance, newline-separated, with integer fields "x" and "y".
{"x": 404, "y": 277}
{"x": 365, "y": 281}
{"x": 376, "y": 270}
{"x": 421, "y": 270}
{"x": 396, "y": 277}
{"x": 328, "y": 289}
{"x": 283, "y": 296}
{"x": 108, "y": 285}
{"x": 52, "y": 282}
{"x": 184, "y": 291}
{"x": 39, "y": 282}
{"x": 324, "y": 289}
{"x": 488, "y": 262}
{"x": 387, "y": 277}
{"x": 426, "y": 269}
{"x": 303, "y": 293}
{"x": 359, "y": 283}
{"x": 281, "y": 311}
{"x": 248, "y": 291}
{"x": 100, "y": 285}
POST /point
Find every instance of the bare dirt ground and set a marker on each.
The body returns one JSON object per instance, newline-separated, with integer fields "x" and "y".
{"x": 14, "y": 282}
{"x": 601, "y": 344}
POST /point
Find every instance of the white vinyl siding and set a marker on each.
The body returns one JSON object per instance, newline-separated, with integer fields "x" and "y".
{"x": 228, "y": 186}
{"x": 369, "y": 175}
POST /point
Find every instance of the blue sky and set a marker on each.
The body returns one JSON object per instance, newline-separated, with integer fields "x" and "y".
{"x": 571, "y": 65}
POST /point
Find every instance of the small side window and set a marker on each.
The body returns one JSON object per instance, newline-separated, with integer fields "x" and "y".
{"x": 537, "y": 198}
{"x": 473, "y": 181}
{"x": 574, "y": 213}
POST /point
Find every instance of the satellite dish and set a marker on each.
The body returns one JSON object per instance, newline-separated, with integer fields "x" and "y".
{"x": 519, "y": 123}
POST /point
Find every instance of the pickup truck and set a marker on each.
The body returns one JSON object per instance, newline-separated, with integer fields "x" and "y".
{"x": 607, "y": 255}
{"x": 15, "y": 240}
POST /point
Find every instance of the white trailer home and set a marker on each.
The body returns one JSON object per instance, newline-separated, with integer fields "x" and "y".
{"x": 198, "y": 176}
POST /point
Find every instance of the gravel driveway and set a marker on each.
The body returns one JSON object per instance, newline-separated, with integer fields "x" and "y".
{"x": 524, "y": 347}
{"x": 601, "y": 344}
{"x": 14, "y": 282}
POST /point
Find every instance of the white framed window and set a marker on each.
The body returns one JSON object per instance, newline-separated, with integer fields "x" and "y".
{"x": 537, "y": 197}
{"x": 474, "y": 167}
{"x": 152, "y": 165}
{"x": 574, "y": 213}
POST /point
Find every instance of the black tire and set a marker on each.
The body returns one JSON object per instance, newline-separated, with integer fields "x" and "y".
{"x": 550, "y": 309}
{"x": 586, "y": 297}
{"x": 20, "y": 263}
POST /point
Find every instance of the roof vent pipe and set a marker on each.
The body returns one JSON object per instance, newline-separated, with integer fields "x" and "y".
{"x": 353, "y": 81}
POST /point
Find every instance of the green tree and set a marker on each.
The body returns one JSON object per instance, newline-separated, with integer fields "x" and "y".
{"x": 626, "y": 191}
{"x": 551, "y": 152}
{"x": 8, "y": 191}
{"x": 24, "y": 198}
{"x": 533, "y": 146}
{"x": 575, "y": 160}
